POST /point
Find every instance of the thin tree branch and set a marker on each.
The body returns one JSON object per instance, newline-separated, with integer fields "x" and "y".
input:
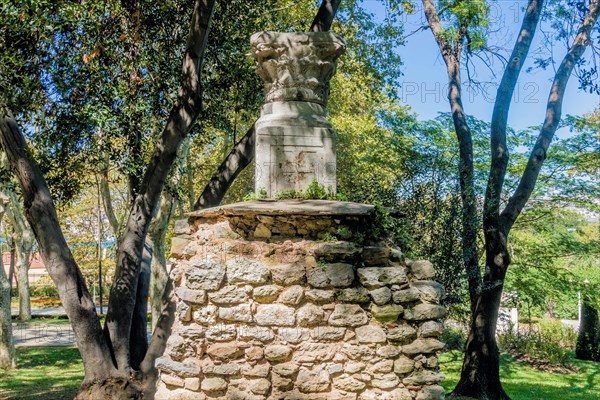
{"x": 324, "y": 18}
{"x": 499, "y": 148}
{"x": 553, "y": 114}
{"x": 240, "y": 156}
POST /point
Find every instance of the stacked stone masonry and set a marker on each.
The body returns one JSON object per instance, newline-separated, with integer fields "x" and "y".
{"x": 267, "y": 310}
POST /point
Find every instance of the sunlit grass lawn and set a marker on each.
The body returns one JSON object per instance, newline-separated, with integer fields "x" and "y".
{"x": 44, "y": 373}
{"x": 522, "y": 382}
{"x": 54, "y": 373}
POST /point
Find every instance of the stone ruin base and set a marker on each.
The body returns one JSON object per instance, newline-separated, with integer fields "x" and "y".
{"x": 291, "y": 300}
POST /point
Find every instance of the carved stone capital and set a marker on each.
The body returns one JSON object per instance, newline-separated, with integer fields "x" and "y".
{"x": 296, "y": 66}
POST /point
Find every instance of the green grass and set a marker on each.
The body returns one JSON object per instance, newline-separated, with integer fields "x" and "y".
{"x": 54, "y": 373}
{"x": 522, "y": 382}
{"x": 43, "y": 320}
{"x": 43, "y": 373}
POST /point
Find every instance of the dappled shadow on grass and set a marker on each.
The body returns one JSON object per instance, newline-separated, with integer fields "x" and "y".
{"x": 44, "y": 373}
{"x": 522, "y": 382}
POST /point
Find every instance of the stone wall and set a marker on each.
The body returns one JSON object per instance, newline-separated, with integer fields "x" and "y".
{"x": 266, "y": 310}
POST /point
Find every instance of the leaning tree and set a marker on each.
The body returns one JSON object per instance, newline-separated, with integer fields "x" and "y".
{"x": 117, "y": 359}
{"x": 111, "y": 358}
{"x": 461, "y": 37}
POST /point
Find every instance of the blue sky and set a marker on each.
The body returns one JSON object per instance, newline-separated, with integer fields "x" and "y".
{"x": 424, "y": 82}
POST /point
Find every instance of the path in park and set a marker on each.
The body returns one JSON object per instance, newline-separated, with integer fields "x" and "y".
{"x": 34, "y": 334}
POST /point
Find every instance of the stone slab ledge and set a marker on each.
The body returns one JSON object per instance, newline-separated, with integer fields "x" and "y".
{"x": 288, "y": 207}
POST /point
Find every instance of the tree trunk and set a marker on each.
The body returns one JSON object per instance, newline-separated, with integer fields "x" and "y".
{"x": 139, "y": 324}
{"x": 470, "y": 221}
{"x": 240, "y": 156}
{"x": 23, "y": 255}
{"x": 22, "y": 243}
{"x": 157, "y": 234}
{"x": 41, "y": 215}
{"x": 588, "y": 340}
{"x": 8, "y": 357}
{"x": 480, "y": 375}
{"x": 325, "y": 16}
{"x": 181, "y": 120}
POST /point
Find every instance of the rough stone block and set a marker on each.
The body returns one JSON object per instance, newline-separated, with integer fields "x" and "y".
{"x": 353, "y": 295}
{"x": 246, "y": 270}
{"x": 313, "y": 381}
{"x": 176, "y": 368}
{"x": 404, "y": 365}
{"x": 222, "y": 369}
{"x": 291, "y": 296}
{"x": 228, "y": 295}
{"x": 370, "y": 334}
{"x": 386, "y": 313}
{"x": 239, "y": 313}
{"x": 288, "y": 274}
{"x": 266, "y": 294}
{"x": 180, "y": 247}
{"x": 331, "y": 275}
{"x": 293, "y": 335}
{"x": 423, "y": 377}
{"x": 309, "y": 315}
{"x": 319, "y": 296}
{"x": 402, "y": 333}
{"x": 191, "y": 296}
{"x": 348, "y": 315}
{"x": 406, "y": 295}
{"x": 422, "y": 312}
{"x": 431, "y": 392}
{"x": 430, "y": 291}
{"x": 422, "y": 269}
{"x": 349, "y": 383}
{"x": 262, "y": 334}
{"x": 277, "y": 353}
{"x": 221, "y": 333}
{"x": 338, "y": 251}
{"x": 214, "y": 385}
{"x": 274, "y": 315}
{"x": 431, "y": 329}
{"x": 327, "y": 333}
{"x": 381, "y": 296}
{"x": 225, "y": 351}
{"x": 422, "y": 346}
{"x": 204, "y": 274}
{"x": 375, "y": 277}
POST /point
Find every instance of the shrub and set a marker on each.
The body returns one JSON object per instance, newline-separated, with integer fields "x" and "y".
{"x": 545, "y": 344}
{"x": 455, "y": 338}
{"x": 44, "y": 291}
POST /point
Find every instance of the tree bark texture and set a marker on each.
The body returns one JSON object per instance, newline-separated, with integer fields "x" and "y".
{"x": 180, "y": 121}
{"x": 324, "y": 18}
{"x": 23, "y": 241}
{"x": 240, "y": 156}
{"x": 157, "y": 234}
{"x": 41, "y": 215}
{"x": 470, "y": 224}
{"x": 8, "y": 358}
{"x": 139, "y": 324}
{"x": 480, "y": 376}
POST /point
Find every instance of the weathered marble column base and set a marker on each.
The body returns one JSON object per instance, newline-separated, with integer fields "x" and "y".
{"x": 295, "y": 145}
{"x": 291, "y": 300}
